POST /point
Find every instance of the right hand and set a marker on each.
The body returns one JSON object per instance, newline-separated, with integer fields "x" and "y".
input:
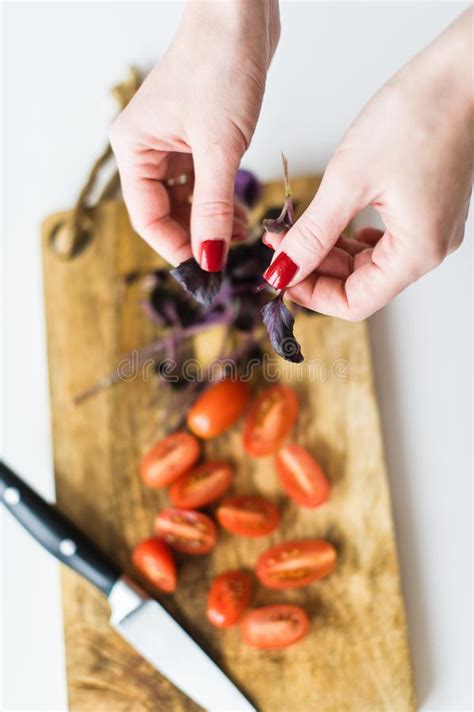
{"x": 195, "y": 114}
{"x": 409, "y": 155}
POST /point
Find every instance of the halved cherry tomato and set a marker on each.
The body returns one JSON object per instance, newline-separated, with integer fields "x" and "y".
{"x": 248, "y": 516}
{"x": 218, "y": 408}
{"x": 270, "y": 419}
{"x": 169, "y": 459}
{"x": 187, "y": 531}
{"x": 296, "y": 563}
{"x": 202, "y": 485}
{"x": 154, "y": 560}
{"x": 228, "y": 598}
{"x": 274, "y": 626}
{"x": 301, "y": 477}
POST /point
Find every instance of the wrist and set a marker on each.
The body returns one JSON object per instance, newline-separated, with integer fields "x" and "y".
{"x": 437, "y": 82}
{"x": 450, "y": 56}
{"x": 233, "y": 16}
{"x": 250, "y": 24}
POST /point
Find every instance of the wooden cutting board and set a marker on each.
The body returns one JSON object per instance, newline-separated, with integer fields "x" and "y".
{"x": 356, "y": 657}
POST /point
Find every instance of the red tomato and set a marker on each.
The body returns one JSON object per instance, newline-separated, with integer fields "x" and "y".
{"x": 202, "y": 485}
{"x": 187, "y": 531}
{"x": 228, "y": 598}
{"x": 169, "y": 459}
{"x": 153, "y": 559}
{"x": 296, "y": 563}
{"x": 270, "y": 419}
{"x": 274, "y": 626}
{"x": 248, "y": 516}
{"x": 218, "y": 408}
{"x": 301, "y": 477}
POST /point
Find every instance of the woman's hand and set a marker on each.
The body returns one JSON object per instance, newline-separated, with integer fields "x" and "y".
{"x": 408, "y": 154}
{"x": 195, "y": 115}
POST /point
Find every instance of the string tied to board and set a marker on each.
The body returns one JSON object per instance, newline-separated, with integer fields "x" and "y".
{"x": 70, "y": 236}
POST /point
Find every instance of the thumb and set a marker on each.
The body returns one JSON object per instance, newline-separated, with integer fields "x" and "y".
{"x": 312, "y": 236}
{"x": 212, "y": 211}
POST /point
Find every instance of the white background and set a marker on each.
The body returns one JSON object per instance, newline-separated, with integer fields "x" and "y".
{"x": 59, "y": 60}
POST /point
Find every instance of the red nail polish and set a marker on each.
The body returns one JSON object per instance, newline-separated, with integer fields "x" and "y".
{"x": 212, "y": 255}
{"x": 281, "y": 271}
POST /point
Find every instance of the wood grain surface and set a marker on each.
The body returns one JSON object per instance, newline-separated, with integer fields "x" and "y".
{"x": 356, "y": 657}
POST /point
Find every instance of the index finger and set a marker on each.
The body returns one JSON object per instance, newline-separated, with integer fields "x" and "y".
{"x": 148, "y": 205}
{"x": 142, "y": 172}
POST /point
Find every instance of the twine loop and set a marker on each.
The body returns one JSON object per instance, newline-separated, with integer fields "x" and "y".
{"x": 69, "y": 237}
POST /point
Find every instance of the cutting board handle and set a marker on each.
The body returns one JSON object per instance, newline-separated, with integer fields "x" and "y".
{"x": 54, "y": 532}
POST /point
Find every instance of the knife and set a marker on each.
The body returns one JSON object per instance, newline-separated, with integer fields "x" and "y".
{"x": 139, "y": 619}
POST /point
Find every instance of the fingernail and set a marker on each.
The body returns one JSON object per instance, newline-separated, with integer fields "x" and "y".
{"x": 281, "y": 271}
{"x": 266, "y": 241}
{"x": 212, "y": 255}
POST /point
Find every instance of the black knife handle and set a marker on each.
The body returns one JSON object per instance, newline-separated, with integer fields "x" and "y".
{"x": 54, "y": 532}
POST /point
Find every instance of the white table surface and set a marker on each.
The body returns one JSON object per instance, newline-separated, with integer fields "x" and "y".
{"x": 60, "y": 58}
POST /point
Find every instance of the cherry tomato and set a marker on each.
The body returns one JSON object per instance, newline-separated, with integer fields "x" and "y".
{"x": 296, "y": 563}
{"x": 301, "y": 477}
{"x": 202, "y": 485}
{"x": 187, "y": 531}
{"x": 169, "y": 459}
{"x": 154, "y": 560}
{"x": 218, "y": 408}
{"x": 274, "y": 626}
{"x": 248, "y": 516}
{"x": 228, "y": 598}
{"x": 270, "y": 419}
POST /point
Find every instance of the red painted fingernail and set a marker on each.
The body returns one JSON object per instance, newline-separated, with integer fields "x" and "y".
{"x": 281, "y": 271}
{"x": 212, "y": 255}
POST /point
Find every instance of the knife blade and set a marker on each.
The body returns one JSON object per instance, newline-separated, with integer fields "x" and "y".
{"x": 138, "y": 618}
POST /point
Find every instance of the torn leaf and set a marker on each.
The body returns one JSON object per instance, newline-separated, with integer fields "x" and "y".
{"x": 201, "y": 285}
{"x": 277, "y": 225}
{"x": 279, "y": 322}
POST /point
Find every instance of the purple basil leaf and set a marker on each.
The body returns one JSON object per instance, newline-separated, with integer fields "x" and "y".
{"x": 247, "y": 187}
{"x": 201, "y": 285}
{"x": 173, "y": 306}
{"x": 151, "y": 312}
{"x": 272, "y": 213}
{"x": 285, "y": 219}
{"x": 247, "y": 263}
{"x": 275, "y": 226}
{"x": 279, "y": 322}
{"x": 170, "y": 313}
{"x": 247, "y": 316}
{"x": 224, "y": 296}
